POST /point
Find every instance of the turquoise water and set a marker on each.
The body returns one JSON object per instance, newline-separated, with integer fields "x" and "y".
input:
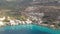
{"x": 28, "y": 29}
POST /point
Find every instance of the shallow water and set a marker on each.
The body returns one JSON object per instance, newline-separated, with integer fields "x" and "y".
{"x": 27, "y": 29}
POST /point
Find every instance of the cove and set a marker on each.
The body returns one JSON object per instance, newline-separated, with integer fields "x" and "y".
{"x": 28, "y": 29}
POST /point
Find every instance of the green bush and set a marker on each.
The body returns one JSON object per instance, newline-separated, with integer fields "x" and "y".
{"x": 6, "y": 20}
{"x": 59, "y": 24}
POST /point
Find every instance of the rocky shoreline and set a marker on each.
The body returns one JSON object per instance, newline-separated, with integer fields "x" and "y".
{"x": 15, "y": 22}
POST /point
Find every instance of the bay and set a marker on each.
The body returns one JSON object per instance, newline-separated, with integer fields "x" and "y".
{"x": 28, "y": 29}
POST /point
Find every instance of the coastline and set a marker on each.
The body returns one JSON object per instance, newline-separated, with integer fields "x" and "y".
{"x": 43, "y": 25}
{"x": 41, "y": 28}
{"x": 14, "y": 22}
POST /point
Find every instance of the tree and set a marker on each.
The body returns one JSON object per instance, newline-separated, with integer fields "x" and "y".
{"x": 6, "y": 20}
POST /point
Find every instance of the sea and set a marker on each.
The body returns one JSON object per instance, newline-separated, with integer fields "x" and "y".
{"x": 28, "y": 29}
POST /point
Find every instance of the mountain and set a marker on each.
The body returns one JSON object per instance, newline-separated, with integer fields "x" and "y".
{"x": 18, "y": 3}
{"x": 21, "y": 5}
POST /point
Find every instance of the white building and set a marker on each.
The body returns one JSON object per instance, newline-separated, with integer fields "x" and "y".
{"x": 9, "y": 18}
{"x": 1, "y": 23}
{"x": 18, "y": 22}
{"x": 12, "y": 22}
{"x": 40, "y": 21}
{"x": 1, "y": 19}
{"x": 23, "y": 22}
{"x": 28, "y": 21}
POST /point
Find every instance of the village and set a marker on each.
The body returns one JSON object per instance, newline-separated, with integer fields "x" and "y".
{"x": 14, "y": 22}
{"x": 29, "y": 16}
{"x": 38, "y": 15}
